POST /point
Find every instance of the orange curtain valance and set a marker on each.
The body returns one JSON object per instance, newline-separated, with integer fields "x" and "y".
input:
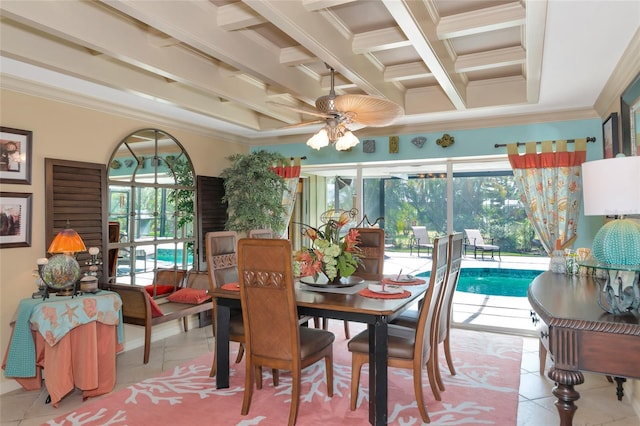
{"x": 531, "y": 159}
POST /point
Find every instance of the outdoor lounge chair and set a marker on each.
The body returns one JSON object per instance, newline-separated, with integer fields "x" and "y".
{"x": 419, "y": 239}
{"x": 474, "y": 240}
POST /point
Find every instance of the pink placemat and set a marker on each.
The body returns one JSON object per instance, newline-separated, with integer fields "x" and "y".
{"x": 231, "y": 287}
{"x": 391, "y": 281}
{"x": 368, "y": 293}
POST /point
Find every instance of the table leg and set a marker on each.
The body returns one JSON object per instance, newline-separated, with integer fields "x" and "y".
{"x": 223, "y": 317}
{"x": 378, "y": 379}
{"x": 566, "y": 394}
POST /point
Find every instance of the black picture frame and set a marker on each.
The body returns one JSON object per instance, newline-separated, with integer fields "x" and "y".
{"x": 610, "y": 147}
{"x": 15, "y": 219}
{"x": 15, "y": 156}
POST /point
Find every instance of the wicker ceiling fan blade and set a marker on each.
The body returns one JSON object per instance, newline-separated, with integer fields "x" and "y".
{"x": 369, "y": 110}
{"x": 306, "y": 123}
{"x": 301, "y": 110}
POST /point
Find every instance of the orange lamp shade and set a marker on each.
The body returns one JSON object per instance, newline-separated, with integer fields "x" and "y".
{"x": 67, "y": 241}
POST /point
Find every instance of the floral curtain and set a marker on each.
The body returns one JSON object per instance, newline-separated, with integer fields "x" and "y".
{"x": 551, "y": 187}
{"x": 291, "y": 174}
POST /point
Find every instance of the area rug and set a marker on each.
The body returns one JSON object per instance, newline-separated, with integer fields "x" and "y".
{"x": 483, "y": 392}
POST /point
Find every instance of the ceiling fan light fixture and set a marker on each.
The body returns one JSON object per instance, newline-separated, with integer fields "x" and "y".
{"x": 346, "y": 141}
{"x": 319, "y": 140}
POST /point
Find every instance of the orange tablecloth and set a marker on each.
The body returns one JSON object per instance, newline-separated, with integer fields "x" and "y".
{"x": 84, "y": 358}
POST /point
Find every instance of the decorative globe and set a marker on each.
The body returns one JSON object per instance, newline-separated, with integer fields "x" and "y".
{"x": 618, "y": 243}
{"x": 61, "y": 272}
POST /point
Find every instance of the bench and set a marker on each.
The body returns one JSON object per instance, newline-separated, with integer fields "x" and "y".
{"x": 137, "y": 310}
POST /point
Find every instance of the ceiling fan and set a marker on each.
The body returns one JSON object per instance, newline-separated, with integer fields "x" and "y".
{"x": 339, "y": 111}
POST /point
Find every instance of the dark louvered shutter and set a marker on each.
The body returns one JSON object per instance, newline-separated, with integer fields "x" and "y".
{"x": 77, "y": 192}
{"x": 212, "y": 212}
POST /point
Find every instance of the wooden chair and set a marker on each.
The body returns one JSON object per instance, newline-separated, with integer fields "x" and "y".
{"x": 410, "y": 319}
{"x": 262, "y": 233}
{"x": 477, "y": 243}
{"x": 409, "y": 348}
{"x": 273, "y": 335}
{"x": 222, "y": 265}
{"x": 372, "y": 257}
{"x": 420, "y": 238}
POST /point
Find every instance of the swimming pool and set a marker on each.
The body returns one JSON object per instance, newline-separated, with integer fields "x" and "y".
{"x": 495, "y": 281}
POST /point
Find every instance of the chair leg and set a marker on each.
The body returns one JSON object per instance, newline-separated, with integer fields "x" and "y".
{"x": 240, "y": 353}
{"x": 295, "y": 397}
{"x": 417, "y": 388}
{"x": 357, "y": 360}
{"x": 328, "y": 366}
{"x": 258, "y": 373}
{"x": 147, "y": 342}
{"x": 347, "y": 334}
{"x": 275, "y": 373}
{"x": 447, "y": 354}
{"x": 214, "y": 365}
{"x": 542, "y": 354}
{"x": 248, "y": 388}
{"x": 432, "y": 379}
{"x": 436, "y": 366}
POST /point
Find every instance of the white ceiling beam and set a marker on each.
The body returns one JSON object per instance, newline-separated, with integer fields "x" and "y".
{"x": 296, "y": 55}
{"x": 192, "y": 23}
{"x": 313, "y": 5}
{"x": 374, "y": 41}
{"x": 322, "y": 39}
{"x": 491, "y": 59}
{"x": 130, "y": 44}
{"x": 414, "y": 20}
{"x": 534, "y": 45}
{"x": 406, "y": 71}
{"x": 24, "y": 45}
{"x": 235, "y": 16}
{"x": 489, "y": 19}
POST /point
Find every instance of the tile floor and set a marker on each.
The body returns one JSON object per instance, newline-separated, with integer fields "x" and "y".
{"x": 598, "y": 404}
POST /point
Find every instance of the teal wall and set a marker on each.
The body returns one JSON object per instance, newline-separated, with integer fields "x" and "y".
{"x": 468, "y": 143}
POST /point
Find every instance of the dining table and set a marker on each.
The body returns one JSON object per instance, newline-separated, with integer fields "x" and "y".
{"x": 341, "y": 304}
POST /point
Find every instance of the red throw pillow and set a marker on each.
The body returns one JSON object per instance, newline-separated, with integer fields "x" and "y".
{"x": 155, "y": 309}
{"x": 193, "y": 296}
{"x": 160, "y": 289}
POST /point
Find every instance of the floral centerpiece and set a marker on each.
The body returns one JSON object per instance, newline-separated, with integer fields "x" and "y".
{"x": 330, "y": 254}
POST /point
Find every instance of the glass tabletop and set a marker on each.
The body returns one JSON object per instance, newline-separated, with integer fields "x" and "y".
{"x": 608, "y": 266}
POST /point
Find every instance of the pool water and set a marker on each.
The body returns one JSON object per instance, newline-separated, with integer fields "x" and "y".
{"x": 494, "y": 281}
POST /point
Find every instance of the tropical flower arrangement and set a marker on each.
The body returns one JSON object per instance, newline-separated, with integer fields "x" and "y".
{"x": 330, "y": 254}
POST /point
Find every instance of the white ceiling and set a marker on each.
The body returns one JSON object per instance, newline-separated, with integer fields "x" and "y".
{"x": 215, "y": 66}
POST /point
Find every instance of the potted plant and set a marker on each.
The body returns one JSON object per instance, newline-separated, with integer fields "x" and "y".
{"x": 254, "y": 192}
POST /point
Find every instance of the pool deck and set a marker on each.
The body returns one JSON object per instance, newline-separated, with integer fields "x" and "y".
{"x": 477, "y": 311}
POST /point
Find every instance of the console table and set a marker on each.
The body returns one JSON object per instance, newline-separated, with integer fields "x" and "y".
{"x": 74, "y": 339}
{"x": 581, "y": 336}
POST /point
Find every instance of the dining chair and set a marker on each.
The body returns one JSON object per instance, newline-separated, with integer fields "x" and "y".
{"x": 273, "y": 335}
{"x": 409, "y": 348}
{"x": 222, "y": 264}
{"x": 410, "y": 319}
{"x": 371, "y": 262}
{"x": 262, "y": 233}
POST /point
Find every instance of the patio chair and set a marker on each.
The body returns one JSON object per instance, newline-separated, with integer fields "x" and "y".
{"x": 474, "y": 240}
{"x": 420, "y": 238}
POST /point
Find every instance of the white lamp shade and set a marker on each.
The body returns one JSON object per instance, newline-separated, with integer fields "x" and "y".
{"x": 348, "y": 140}
{"x": 611, "y": 187}
{"x": 319, "y": 140}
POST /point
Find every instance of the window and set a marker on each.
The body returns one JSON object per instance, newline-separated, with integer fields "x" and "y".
{"x": 151, "y": 196}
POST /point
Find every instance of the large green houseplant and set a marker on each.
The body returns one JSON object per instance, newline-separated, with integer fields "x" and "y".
{"x": 254, "y": 192}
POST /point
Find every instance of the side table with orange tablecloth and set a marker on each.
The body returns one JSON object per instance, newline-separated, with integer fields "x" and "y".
{"x": 75, "y": 340}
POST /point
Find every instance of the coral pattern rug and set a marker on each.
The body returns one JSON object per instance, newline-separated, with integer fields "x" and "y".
{"x": 483, "y": 392}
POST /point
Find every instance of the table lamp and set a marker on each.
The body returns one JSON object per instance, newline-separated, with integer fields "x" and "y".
{"x": 611, "y": 187}
{"x": 62, "y": 271}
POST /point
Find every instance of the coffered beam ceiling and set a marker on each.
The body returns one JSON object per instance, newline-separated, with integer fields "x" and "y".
{"x": 229, "y": 60}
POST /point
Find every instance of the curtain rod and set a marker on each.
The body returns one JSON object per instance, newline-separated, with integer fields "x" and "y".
{"x": 501, "y": 145}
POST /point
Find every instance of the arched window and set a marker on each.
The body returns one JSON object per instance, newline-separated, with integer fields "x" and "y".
{"x": 151, "y": 206}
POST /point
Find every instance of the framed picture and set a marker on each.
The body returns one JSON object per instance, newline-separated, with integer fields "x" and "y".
{"x": 15, "y": 219}
{"x": 15, "y": 156}
{"x": 610, "y": 136}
